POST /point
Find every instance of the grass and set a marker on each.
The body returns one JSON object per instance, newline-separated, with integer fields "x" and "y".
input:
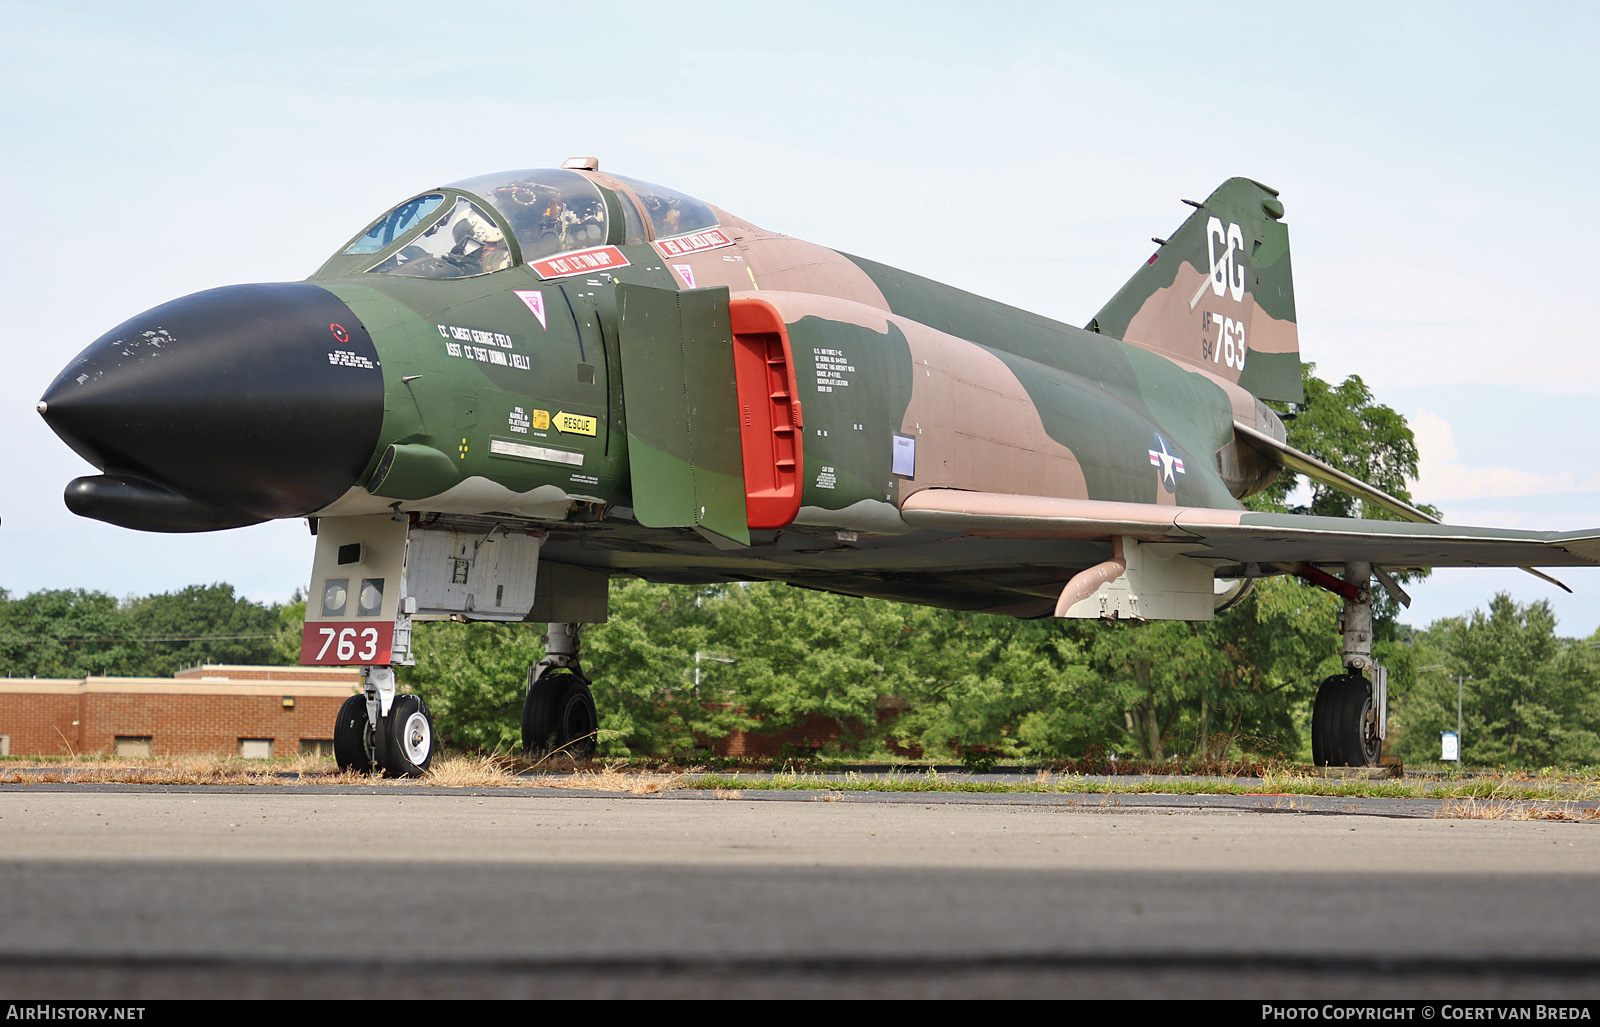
{"x": 475, "y": 770}
{"x": 1501, "y": 796}
{"x": 170, "y": 770}
{"x": 1473, "y": 809}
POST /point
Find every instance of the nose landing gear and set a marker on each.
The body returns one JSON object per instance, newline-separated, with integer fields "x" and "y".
{"x": 399, "y": 743}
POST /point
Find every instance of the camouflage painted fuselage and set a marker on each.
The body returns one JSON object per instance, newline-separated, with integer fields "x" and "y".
{"x": 660, "y": 388}
{"x": 509, "y": 394}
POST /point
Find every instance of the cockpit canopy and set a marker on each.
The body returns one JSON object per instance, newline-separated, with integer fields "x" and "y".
{"x": 461, "y": 230}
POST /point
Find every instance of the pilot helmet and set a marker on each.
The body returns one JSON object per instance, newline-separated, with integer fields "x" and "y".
{"x": 474, "y": 228}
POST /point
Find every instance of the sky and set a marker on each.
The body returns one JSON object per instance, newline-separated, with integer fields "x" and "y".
{"x": 1437, "y": 163}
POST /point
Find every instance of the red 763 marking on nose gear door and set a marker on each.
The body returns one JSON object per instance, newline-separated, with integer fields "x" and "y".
{"x": 346, "y": 643}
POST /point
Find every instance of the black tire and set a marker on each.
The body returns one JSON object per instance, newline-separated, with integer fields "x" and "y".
{"x": 579, "y": 720}
{"x": 1344, "y": 724}
{"x": 350, "y": 736}
{"x": 538, "y": 714}
{"x": 558, "y": 713}
{"x": 408, "y": 738}
{"x": 1358, "y": 724}
{"x": 1325, "y": 750}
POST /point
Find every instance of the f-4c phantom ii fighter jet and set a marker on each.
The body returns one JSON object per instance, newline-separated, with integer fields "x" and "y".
{"x": 508, "y": 390}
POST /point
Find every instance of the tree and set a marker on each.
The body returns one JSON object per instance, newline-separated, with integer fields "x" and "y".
{"x": 1345, "y": 426}
{"x": 475, "y": 675}
{"x": 1014, "y": 689}
{"x": 290, "y": 628}
{"x": 78, "y": 633}
{"x": 1149, "y": 677}
{"x": 1528, "y": 698}
{"x": 799, "y": 654}
{"x": 644, "y": 656}
{"x": 1278, "y": 645}
{"x": 61, "y": 633}
{"x": 197, "y": 625}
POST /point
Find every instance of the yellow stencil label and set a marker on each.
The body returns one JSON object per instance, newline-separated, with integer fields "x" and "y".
{"x": 576, "y": 424}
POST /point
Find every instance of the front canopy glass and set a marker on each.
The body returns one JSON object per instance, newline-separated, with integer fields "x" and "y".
{"x": 462, "y": 243}
{"x": 395, "y": 224}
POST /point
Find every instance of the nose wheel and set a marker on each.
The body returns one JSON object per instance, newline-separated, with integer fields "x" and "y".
{"x": 408, "y": 734}
{"x": 352, "y": 736}
{"x": 399, "y": 744}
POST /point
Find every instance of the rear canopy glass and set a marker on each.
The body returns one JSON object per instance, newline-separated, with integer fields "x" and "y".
{"x": 671, "y": 212}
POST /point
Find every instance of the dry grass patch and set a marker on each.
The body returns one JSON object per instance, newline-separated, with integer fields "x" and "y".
{"x": 493, "y": 770}
{"x": 1500, "y": 809}
{"x": 608, "y": 778}
{"x": 173, "y": 770}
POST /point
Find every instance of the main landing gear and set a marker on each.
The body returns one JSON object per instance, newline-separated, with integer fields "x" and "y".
{"x": 1347, "y": 722}
{"x": 1344, "y": 723}
{"x": 383, "y": 730}
{"x": 558, "y": 711}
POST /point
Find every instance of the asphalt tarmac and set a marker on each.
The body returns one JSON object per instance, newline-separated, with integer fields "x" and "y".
{"x": 148, "y": 892}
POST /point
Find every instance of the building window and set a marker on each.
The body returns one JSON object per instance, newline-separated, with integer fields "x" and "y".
{"x": 5, "y": 745}
{"x": 255, "y": 748}
{"x": 132, "y": 746}
{"x": 316, "y": 747}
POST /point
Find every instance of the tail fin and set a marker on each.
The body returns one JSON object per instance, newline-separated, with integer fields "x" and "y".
{"x": 1219, "y": 294}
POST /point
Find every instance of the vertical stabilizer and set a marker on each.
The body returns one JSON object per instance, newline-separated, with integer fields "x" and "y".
{"x": 1219, "y": 294}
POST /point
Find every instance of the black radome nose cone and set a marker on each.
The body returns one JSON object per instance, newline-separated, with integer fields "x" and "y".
{"x": 263, "y": 400}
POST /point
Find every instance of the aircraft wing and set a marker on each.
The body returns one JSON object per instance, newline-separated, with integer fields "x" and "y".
{"x": 1227, "y": 537}
{"x": 1304, "y": 463}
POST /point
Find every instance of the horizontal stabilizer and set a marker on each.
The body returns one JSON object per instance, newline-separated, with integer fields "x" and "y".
{"x": 1311, "y": 467}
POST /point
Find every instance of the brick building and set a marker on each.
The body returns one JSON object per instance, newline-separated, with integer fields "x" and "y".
{"x": 215, "y": 710}
{"x": 248, "y": 711}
